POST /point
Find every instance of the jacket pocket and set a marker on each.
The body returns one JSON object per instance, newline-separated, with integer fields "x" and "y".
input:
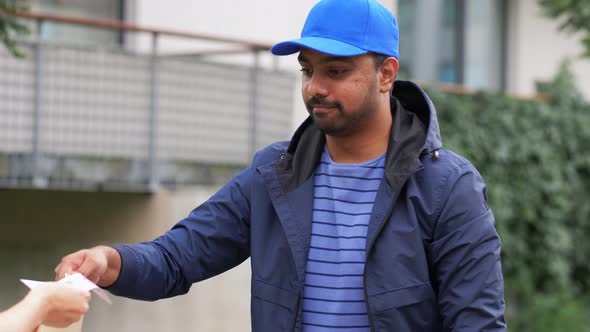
{"x": 406, "y": 309}
{"x": 273, "y": 308}
{"x": 274, "y": 294}
{"x": 401, "y": 297}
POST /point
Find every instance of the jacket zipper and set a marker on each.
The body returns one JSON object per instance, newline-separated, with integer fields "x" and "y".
{"x": 296, "y": 313}
{"x": 435, "y": 156}
{"x": 371, "y": 324}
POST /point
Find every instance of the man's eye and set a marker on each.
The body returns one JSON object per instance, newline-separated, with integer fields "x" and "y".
{"x": 337, "y": 72}
{"x": 306, "y": 71}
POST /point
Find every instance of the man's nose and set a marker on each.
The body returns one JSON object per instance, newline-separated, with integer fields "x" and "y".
{"x": 316, "y": 86}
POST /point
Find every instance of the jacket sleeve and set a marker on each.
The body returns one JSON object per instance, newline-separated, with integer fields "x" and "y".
{"x": 212, "y": 239}
{"x": 465, "y": 255}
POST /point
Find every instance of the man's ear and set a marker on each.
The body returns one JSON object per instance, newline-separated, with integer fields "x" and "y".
{"x": 387, "y": 73}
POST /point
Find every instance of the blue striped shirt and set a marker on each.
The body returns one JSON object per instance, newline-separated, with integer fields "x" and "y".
{"x": 333, "y": 295}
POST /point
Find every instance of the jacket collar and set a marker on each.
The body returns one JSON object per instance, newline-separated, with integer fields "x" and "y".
{"x": 414, "y": 131}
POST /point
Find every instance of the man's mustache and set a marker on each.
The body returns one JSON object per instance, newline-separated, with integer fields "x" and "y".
{"x": 321, "y": 102}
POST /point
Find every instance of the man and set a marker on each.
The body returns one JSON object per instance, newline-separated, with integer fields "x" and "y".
{"x": 360, "y": 223}
{"x": 50, "y": 304}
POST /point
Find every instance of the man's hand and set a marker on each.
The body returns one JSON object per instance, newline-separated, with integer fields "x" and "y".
{"x": 100, "y": 265}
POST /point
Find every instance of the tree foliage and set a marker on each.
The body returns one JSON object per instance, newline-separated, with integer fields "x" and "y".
{"x": 535, "y": 158}
{"x": 10, "y": 27}
{"x": 574, "y": 16}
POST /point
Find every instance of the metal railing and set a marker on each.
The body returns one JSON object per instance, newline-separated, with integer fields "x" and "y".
{"x": 87, "y": 118}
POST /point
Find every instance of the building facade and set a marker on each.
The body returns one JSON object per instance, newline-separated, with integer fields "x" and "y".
{"x": 486, "y": 44}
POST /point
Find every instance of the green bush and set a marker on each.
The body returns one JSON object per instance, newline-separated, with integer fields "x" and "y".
{"x": 535, "y": 158}
{"x": 550, "y": 313}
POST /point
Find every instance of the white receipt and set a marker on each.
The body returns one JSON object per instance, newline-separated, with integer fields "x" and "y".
{"x": 75, "y": 280}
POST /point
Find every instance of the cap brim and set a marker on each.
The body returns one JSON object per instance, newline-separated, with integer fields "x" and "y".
{"x": 324, "y": 45}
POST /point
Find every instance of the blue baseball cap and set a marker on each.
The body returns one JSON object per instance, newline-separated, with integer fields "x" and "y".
{"x": 346, "y": 28}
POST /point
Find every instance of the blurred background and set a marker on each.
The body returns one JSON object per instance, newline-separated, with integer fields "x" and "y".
{"x": 117, "y": 117}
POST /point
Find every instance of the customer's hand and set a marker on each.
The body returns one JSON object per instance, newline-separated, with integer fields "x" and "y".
{"x": 58, "y": 305}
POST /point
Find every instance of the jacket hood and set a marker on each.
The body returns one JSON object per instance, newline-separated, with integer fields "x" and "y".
{"x": 414, "y": 131}
{"x": 415, "y": 100}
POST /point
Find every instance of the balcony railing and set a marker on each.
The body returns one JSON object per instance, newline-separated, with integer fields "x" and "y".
{"x": 88, "y": 118}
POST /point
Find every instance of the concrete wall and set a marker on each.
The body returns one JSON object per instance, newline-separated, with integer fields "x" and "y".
{"x": 39, "y": 227}
{"x": 536, "y": 48}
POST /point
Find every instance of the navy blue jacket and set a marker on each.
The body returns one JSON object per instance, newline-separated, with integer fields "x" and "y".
{"x": 433, "y": 254}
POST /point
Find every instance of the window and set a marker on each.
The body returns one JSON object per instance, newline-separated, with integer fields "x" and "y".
{"x": 483, "y": 44}
{"x": 453, "y": 41}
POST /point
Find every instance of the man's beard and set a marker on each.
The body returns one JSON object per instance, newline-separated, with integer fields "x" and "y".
{"x": 342, "y": 123}
{"x": 329, "y": 129}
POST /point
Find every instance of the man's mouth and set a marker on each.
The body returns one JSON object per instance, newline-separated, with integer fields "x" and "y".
{"x": 322, "y": 109}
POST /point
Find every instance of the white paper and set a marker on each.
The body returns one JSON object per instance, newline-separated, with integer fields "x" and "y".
{"x": 75, "y": 280}
{"x": 31, "y": 283}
